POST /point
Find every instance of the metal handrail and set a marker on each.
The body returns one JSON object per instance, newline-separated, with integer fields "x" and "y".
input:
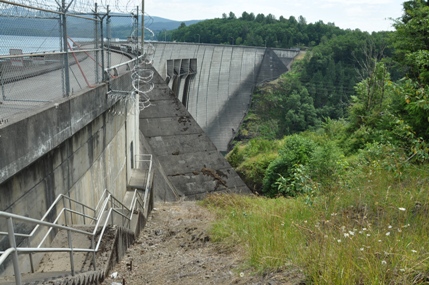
{"x": 147, "y": 188}
{"x": 56, "y": 201}
{"x": 15, "y": 250}
{"x": 105, "y": 200}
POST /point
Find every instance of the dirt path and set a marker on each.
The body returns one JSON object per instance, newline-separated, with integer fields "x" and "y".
{"x": 175, "y": 248}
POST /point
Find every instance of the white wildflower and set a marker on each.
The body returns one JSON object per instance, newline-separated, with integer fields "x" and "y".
{"x": 241, "y": 274}
{"x": 388, "y": 234}
{"x": 384, "y": 262}
{"x": 402, "y": 209}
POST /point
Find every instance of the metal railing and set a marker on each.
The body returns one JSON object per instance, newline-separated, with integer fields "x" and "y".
{"x": 140, "y": 159}
{"x": 106, "y": 208}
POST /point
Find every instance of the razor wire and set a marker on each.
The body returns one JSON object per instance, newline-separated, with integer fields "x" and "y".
{"x": 75, "y": 6}
{"x": 141, "y": 78}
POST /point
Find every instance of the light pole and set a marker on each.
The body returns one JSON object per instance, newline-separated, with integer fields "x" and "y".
{"x": 198, "y": 37}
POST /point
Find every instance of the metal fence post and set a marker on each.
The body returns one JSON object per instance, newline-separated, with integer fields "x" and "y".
{"x": 65, "y": 49}
{"x": 96, "y": 45}
{"x": 12, "y": 242}
{"x": 2, "y": 82}
{"x": 109, "y": 35}
{"x": 142, "y": 47}
{"x": 103, "y": 76}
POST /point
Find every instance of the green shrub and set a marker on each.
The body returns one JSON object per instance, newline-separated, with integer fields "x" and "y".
{"x": 235, "y": 157}
{"x": 297, "y": 150}
{"x": 253, "y": 170}
{"x": 327, "y": 163}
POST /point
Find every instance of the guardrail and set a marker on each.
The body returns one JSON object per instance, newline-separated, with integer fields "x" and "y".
{"x": 106, "y": 208}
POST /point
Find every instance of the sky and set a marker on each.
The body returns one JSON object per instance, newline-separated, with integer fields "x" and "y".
{"x": 366, "y": 15}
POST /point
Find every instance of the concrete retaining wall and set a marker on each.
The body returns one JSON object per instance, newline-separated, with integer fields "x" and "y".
{"x": 77, "y": 146}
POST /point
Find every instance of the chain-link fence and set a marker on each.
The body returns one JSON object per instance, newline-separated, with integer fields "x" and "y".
{"x": 50, "y": 50}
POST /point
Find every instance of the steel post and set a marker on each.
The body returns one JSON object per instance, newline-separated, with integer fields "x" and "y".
{"x": 12, "y": 242}
{"x": 71, "y": 252}
{"x": 108, "y": 37}
{"x": 142, "y": 41}
{"x": 65, "y": 49}
{"x": 2, "y": 82}
{"x": 96, "y": 44}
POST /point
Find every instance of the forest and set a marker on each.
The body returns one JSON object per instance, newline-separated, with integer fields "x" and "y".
{"x": 336, "y": 150}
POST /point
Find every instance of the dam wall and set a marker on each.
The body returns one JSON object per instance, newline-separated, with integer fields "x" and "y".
{"x": 215, "y": 82}
{"x": 77, "y": 146}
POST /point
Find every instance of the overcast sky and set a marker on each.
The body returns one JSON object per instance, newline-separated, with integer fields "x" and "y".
{"x": 366, "y": 15}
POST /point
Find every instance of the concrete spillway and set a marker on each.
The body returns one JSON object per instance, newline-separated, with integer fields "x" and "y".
{"x": 215, "y": 82}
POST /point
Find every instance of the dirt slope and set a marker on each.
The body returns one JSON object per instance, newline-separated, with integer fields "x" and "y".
{"x": 175, "y": 248}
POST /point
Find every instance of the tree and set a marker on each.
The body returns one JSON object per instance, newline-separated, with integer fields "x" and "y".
{"x": 232, "y": 16}
{"x": 411, "y": 40}
{"x": 260, "y": 18}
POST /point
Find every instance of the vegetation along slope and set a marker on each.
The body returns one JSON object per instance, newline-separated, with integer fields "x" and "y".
{"x": 336, "y": 151}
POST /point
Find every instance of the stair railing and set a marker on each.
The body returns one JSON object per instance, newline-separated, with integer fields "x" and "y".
{"x": 106, "y": 204}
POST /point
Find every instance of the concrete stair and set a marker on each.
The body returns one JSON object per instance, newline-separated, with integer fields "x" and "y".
{"x": 55, "y": 266}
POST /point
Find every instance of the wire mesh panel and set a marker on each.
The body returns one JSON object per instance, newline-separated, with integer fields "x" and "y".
{"x": 54, "y": 49}
{"x": 30, "y": 52}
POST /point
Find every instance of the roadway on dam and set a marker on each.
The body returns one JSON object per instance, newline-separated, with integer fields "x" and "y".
{"x": 32, "y": 93}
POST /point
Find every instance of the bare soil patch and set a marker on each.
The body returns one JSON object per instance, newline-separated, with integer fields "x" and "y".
{"x": 175, "y": 248}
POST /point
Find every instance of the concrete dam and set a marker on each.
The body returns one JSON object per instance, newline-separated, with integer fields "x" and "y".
{"x": 81, "y": 145}
{"x": 215, "y": 82}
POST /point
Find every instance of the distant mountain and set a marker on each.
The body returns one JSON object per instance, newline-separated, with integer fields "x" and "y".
{"x": 121, "y": 25}
{"x": 160, "y": 24}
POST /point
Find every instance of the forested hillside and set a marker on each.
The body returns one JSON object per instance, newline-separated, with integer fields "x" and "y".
{"x": 354, "y": 90}
{"x": 259, "y": 30}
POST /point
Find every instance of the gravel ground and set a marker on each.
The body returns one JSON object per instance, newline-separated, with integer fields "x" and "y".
{"x": 175, "y": 248}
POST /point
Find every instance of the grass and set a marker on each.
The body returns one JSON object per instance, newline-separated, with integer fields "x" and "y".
{"x": 374, "y": 231}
